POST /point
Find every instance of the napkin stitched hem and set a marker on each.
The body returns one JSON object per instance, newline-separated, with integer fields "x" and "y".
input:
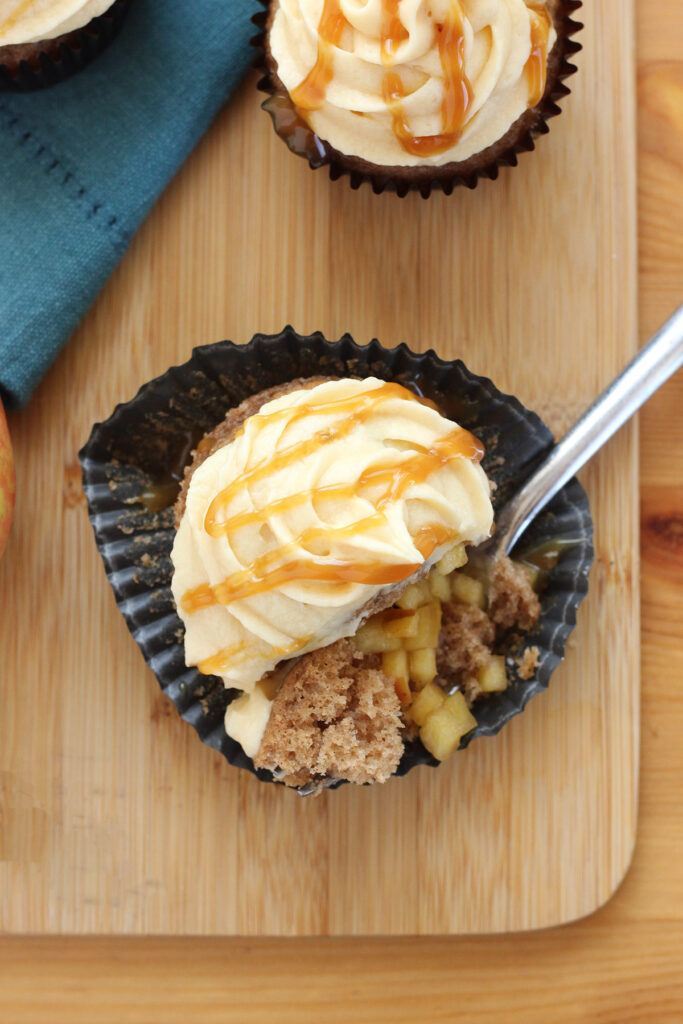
{"x": 55, "y": 169}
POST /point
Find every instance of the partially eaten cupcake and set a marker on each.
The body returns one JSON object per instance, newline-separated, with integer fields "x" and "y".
{"x": 318, "y": 563}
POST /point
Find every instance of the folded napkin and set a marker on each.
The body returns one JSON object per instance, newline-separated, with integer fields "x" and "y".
{"x": 82, "y": 163}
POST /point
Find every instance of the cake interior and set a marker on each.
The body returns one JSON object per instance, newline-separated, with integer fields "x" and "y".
{"x": 416, "y": 668}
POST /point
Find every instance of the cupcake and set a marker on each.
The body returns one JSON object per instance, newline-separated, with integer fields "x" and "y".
{"x": 415, "y": 94}
{"x": 297, "y": 554}
{"x": 42, "y": 42}
{"x": 320, "y": 528}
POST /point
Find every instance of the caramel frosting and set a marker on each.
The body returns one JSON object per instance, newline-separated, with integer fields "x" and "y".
{"x": 412, "y": 82}
{"x": 31, "y": 21}
{"x": 324, "y": 499}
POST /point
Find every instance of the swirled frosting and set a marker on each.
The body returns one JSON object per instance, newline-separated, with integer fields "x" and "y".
{"x": 31, "y": 21}
{"x": 412, "y": 82}
{"x": 324, "y": 499}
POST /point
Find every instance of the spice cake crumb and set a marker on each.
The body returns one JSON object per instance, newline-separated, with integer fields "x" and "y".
{"x": 512, "y": 599}
{"x": 528, "y": 663}
{"x": 337, "y": 715}
{"x": 469, "y": 635}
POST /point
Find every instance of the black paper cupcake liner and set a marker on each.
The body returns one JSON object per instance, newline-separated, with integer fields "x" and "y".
{"x": 55, "y": 60}
{"x": 149, "y": 438}
{"x": 520, "y": 138}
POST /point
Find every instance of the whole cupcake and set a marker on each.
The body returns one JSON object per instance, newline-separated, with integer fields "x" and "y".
{"x": 42, "y": 42}
{"x": 415, "y": 94}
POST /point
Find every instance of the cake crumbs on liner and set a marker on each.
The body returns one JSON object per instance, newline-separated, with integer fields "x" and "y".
{"x": 512, "y": 599}
{"x": 528, "y": 663}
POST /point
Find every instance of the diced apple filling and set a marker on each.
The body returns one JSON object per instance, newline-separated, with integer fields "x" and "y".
{"x": 429, "y": 699}
{"x": 467, "y": 590}
{"x": 492, "y": 677}
{"x": 422, "y": 667}
{"x": 452, "y": 560}
{"x": 407, "y": 637}
{"x": 445, "y": 727}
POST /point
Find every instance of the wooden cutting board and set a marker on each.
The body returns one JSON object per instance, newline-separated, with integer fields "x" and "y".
{"x": 114, "y": 818}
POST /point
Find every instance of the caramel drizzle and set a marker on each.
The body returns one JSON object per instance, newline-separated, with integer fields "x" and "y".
{"x": 310, "y": 94}
{"x": 393, "y": 31}
{"x": 221, "y": 662}
{"x": 536, "y": 67}
{"x": 273, "y": 569}
{"x": 361, "y": 406}
{"x": 457, "y": 98}
{"x": 13, "y": 18}
{"x": 458, "y": 94}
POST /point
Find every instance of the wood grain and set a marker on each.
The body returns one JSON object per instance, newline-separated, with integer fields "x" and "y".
{"x": 133, "y": 826}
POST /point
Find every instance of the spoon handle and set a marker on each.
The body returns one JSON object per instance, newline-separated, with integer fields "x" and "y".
{"x": 654, "y": 364}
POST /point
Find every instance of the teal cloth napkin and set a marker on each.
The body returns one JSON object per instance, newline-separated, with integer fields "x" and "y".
{"x": 82, "y": 163}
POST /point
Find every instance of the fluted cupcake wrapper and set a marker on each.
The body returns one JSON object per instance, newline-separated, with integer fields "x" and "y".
{"x": 149, "y": 437}
{"x": 55, "y": 60}
{"x": 520, "y": 138}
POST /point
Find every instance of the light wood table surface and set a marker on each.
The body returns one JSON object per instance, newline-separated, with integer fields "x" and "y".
{"x": 622, "y": 964}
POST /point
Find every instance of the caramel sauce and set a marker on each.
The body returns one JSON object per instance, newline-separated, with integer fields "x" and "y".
{"x": 429, "y": 538}
{"x": 393, "y": 31}
{"x": 221, "y": 662}
{"x": 310, "y": 94}
{"x": 13, "y": 18}
{"x": 158, "y": 496}
{"x": 428, "y": 402}
{"x": 458, "y": 93}
{"x": 269, "y": 571}
{"x": 394, "y": 481}
{"x": 537, "y": 65}
{"x": 248, "y": 583}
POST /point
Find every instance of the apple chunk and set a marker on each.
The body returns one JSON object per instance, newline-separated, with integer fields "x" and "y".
{"x": 395, "y": 665}
{"x": 430, "y": 698}
{"x": 422, "y": 667}
{"x": 445, "y": 727}
{"x": 492, "y": 676}
{"x": 467, "y": 590}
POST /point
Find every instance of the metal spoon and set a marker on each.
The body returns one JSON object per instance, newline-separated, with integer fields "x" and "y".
{"x": 654, "y": 364}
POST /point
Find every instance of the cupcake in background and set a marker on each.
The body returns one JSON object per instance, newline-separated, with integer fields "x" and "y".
{"x": 415, "y": 94}
{"x": 42, "y": 42}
